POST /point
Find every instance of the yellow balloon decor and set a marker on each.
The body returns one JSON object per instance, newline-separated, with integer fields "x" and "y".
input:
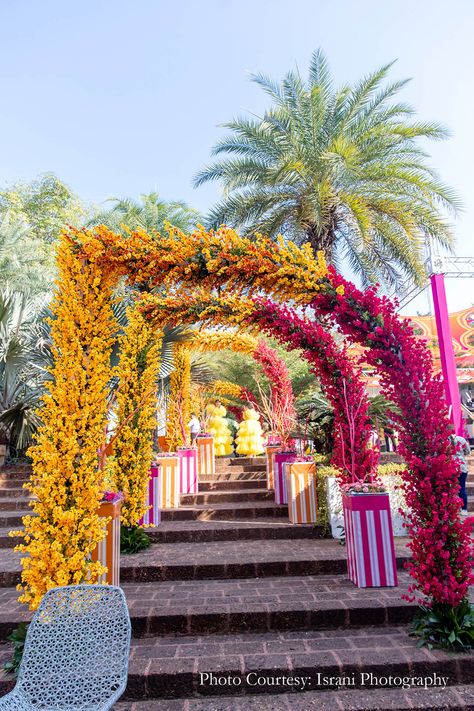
{"x": 219, "y": 430}
{"x": 249, "y": 438}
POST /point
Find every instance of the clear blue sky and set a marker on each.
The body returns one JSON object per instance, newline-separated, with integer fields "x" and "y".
{"x": 121, "y": 97}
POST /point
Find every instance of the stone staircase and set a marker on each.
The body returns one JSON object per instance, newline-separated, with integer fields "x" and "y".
{"x": 232, "y": 604}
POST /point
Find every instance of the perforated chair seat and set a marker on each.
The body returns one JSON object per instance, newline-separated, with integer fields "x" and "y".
{"x": 76, "y": 652}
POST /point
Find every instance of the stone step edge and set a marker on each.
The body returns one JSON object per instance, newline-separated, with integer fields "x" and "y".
{"x": 162, "y": 680}
{"x": 453, "y": 698}
{"x": 203, "y": 533}
{"x": 142, "y": 573}
{"x": 150, "y": 620}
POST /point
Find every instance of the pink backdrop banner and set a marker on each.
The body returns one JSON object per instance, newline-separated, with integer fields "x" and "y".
{"x": 370, "y": 546}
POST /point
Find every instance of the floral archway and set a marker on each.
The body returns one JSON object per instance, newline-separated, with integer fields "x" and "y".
{"x": 67, "y": 481}
{"x": 202, "y": 341}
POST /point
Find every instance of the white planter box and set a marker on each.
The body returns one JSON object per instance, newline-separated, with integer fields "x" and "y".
{"x": 397, "y": 501}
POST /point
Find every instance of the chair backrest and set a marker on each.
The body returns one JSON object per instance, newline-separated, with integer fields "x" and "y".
{"x": 77, "y": 647}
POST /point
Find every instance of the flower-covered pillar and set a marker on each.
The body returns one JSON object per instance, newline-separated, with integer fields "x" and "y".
{"x": 67, "y": 481}
{"x": 140, "y": 350}
{"x": 179, "y": 404}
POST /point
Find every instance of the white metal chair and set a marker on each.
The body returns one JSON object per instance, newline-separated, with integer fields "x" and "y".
{"x": 76, "y": 652}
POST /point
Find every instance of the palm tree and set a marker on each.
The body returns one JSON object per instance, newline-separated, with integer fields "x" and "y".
{"x": 149, "y": 214}
{"x": 23, "y": 362}
{"x": 341, "y": 168}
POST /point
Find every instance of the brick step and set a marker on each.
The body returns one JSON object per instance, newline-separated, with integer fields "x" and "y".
{"x": 16, "y": 484}
{"x": 454, "y": 698}
{"x": 170, "y": 667}
{"x": 248, "y": 461}
{"x": 208, "y": 607}
{"x": 208, "y": 531}
{"x": 224, "y": 497}
{"x": 17, "y": 504}
{"x": 221, "y": 561}
{"x": 242, "y": 468}
{"x": 237, "y": 510}
{"x": 231, "y": 485}
{"x": 6, "y": 479}
{"x": 233, "y": 474}
{"x": 12, "y": 492}
{"x": 13, "y": 519}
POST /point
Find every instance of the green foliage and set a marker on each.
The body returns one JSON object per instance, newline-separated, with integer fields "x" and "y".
{"x": 381, "y": 410}
{"x": 18, "y": 638}
{"x": 25, "y": 264}
{"x": 445, "y": 626}
{"x": 46, "y": 205}
{"x": 316, "y": 419}
{"x": 149, "y": 214}
{"x": 340, "y": 167}
{"x": 24, "y": 354}
{"x": 133, "y": 539}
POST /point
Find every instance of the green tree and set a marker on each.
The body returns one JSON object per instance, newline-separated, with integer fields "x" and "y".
{"x": 342, "y": 168}
{"x": 25, "y": 262}
{"x": 46, "y": 205}
{"x": 150, "y": 213}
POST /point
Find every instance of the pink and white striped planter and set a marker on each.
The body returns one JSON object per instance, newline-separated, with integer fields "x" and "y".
{"x": 279, "y": 475}
{"x": 152, "y": 517}
{"x": 188, "y": 466}
{"x": 370, "y": 546}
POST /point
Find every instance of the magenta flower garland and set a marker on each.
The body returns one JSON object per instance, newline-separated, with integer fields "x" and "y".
{"x": 440, "y": 541}
{"x": 341, "y": 383}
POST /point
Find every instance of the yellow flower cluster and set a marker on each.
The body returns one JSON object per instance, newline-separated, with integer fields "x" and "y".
{"x": 221, "y": 340}
{"x": 211, "y": 259}
{"x": 179, "y": 403}
{"x": 140, "y": 350}
{"x": 66, "y": 481}
{"x": 197, "y": 306}
{"x": 224, "y": 387}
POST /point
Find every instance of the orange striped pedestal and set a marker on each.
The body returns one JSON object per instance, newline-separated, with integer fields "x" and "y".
{"x": 206, "y": 457}
{"x": 270, "y": 451}
{"x": 301, "y": 489}
{"x": 169, "y": 478}
{"x": 108, "y": 550}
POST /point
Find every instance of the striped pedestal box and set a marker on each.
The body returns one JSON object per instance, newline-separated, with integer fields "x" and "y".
{"x": 279, "y": 474}
{"x": 169, "y": 482}
{"x": 108, "y": 550}
{"x": 206, "y": 456}
{"x": 270, "y": 451}
{"x": 188, "y": 465}
{"x": 152, "y": 517}
{"x": 369, "y": 540}
{"x": 301, "y": 488}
